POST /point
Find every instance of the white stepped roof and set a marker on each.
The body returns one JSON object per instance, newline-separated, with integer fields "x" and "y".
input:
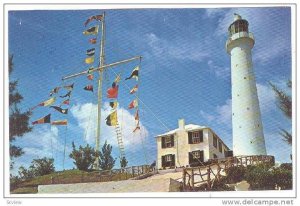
{"x": 188, "y": 127}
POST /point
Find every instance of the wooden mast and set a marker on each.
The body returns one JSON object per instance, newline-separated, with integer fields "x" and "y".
{"x": 101, "y": 67}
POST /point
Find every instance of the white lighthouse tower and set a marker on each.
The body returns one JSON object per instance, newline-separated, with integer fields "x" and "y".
{"x": 247, "y": 129}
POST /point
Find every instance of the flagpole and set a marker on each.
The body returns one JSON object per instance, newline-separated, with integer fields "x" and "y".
{"x": 101, "y": 63}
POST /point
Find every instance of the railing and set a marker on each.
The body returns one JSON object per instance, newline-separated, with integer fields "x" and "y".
{"x": 194, "y": 177}
{"x": 237, "y": 36}
{"x": 125, "y": 173}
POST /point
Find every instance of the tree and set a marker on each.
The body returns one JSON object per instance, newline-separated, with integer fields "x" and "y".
{"x": 25, "y": 174}
{"x": 123, "y": 162}
{"x": 106, "y": 161}
{"x": 284, "y": 103}
{"x": 18, "y": 120}
{"x": 43, "y": 166}
{"x": 38, "y": 167}
{"x": 84, "y": 157}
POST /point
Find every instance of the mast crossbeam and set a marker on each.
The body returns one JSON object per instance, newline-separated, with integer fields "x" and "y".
{"x": 101, "y": 67}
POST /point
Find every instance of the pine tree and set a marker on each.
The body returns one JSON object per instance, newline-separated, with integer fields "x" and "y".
{"x": 284, "y": 103}
{"x": 18, "y": 120}
{"x": 123, "y": 162}
{"x": 106, "y": 161}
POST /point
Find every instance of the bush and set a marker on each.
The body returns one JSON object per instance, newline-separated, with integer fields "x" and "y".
{"x": 106, "y": 160}
{"x": 260, "y": 177}
{"x": 42, "y": 166}
{"x": 286, "y": 166}
{"x": 235, "y": 174}
{"x": 221, "y": 185}
{"x": 84, "y": 157}
{"x": 283, "y": 178}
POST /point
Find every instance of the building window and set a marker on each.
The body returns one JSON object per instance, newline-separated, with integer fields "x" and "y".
{"x": 167, "y": 142}
{"x": 168, "y": 158}
{"x": 215, "y": 142}
{"x": 195, "y": 137}
{"x": 196, "y": 154}
{"x": 215, "y": 156}
{"x": 220, "y": 146}
{"x": 196, "y": 158}
{"x": 168, "y": 161}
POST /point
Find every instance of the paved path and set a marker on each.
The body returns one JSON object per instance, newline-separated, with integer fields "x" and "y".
{"x": 144, "y": 185}
{"x": 165, "y": 181}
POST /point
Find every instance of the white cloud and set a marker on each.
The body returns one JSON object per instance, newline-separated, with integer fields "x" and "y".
{"x": 224, "y": 113}
{"x": 221, "y": 72}
{"x": 213, "y": 12}
{"x": 181, "y": 49}
{"x": 207, "y": 116}
{"x": 42, "y": 142}
{"x": 86, "y": 116}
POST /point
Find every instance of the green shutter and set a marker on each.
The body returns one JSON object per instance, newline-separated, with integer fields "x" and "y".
{"x": 190, "y": 158}
{"x": 173, "y": 160}
{"x": 163, "y": 142}
{"x": 201, "y": 135}
{"x": 172, "y": 141}
{"x": 190, "y": 137}
{"x": 202, "y": 156}
{"x": 163, "y": 163}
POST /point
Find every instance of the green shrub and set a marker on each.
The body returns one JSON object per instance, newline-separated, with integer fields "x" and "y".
{"x": 221, "y": 185}
{"x": 235, "y": 174}
{"x": 283, "y": 178}
{"x": 84, "y": 157}
{"x": 286, "y": 166}
{"x": 260, "y": 177}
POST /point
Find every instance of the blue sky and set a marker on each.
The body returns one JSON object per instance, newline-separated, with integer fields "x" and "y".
{"x": 185, "y": 73}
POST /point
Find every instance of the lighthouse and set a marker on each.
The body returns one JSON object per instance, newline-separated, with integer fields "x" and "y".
{"x": 247, "y": 129}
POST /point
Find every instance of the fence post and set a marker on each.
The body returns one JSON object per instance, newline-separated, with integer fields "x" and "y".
{"x": 208, "y": 178}
{"x": 192, "y": 178}
{"x": 183, "y": 179}
{"x": 132, "y": 170}
{"x": 218, "y": 172}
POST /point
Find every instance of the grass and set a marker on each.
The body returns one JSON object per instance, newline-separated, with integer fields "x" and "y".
{"x": 65, "y": 177}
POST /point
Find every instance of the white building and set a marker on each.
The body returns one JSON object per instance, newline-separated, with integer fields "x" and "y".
{"x": 188, "y": 145}
{"x": 247, "y": 128}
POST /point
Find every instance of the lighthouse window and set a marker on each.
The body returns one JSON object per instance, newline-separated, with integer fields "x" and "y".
{"x": 248, "y": 108}
{"x": 258, "y": 125}
{"x": 245, "y": 77}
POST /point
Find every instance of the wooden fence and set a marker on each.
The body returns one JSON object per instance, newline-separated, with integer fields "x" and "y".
{"x": 194, "y": 177}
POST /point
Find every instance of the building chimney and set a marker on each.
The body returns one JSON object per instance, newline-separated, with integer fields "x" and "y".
{"x": 181, "y": 124}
